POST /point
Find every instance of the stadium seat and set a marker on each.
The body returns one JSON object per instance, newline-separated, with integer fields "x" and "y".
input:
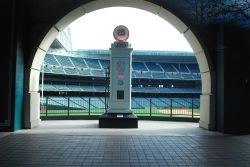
{"x": 153, "y": 66}
{"x": 78, "y": 62}
{"x": 167, "y": 67}
{"x": 71, "y": 71}
{"x": 64, "y": 61}
{"x": 57, "y": 70}
{"x": 50, "y": 60}
{"x": 193, "y": 68}
{"x": 98, "y": 73}
{"x": 104, "y": 63}
{"x": 93, "y": 63}
{"x": 140, "y": 66}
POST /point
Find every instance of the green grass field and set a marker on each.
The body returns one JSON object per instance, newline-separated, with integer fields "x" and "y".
{"x": 140, "y": 112}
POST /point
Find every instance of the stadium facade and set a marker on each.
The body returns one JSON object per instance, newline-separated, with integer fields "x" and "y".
{"x": 75, "y": 82}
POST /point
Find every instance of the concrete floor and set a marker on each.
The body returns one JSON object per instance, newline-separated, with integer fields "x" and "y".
{"x": 90, "y": 127}
{"x": 154, "y": 143}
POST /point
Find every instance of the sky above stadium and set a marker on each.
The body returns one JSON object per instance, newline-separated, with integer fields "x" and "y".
{"x": 146, "y": 30}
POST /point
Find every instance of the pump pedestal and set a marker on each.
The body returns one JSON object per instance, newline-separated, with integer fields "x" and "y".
{"x": 111, "y": 120}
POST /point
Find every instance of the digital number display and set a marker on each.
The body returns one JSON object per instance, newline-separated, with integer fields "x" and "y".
{"x": 120, "y": 66}
{"x": 120, "y": 76}
{"x": 120, "y": 94}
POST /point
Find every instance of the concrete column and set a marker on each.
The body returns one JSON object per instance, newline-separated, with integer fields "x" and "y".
{"x": 207, "y": 112}
{"x": 32, "y": 116}
{"x": 32, "y": 99}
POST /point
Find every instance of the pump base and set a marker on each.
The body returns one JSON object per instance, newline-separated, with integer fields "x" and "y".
{"x": 118, "y": 120}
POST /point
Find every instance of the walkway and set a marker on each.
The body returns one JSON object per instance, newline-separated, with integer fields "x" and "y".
{"x": 81, "y": 143}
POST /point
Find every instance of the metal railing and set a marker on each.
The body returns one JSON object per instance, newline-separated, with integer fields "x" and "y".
{"x": 90, "y": 106}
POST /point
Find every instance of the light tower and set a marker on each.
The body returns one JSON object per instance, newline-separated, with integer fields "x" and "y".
{"x": 119, "y": 114}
